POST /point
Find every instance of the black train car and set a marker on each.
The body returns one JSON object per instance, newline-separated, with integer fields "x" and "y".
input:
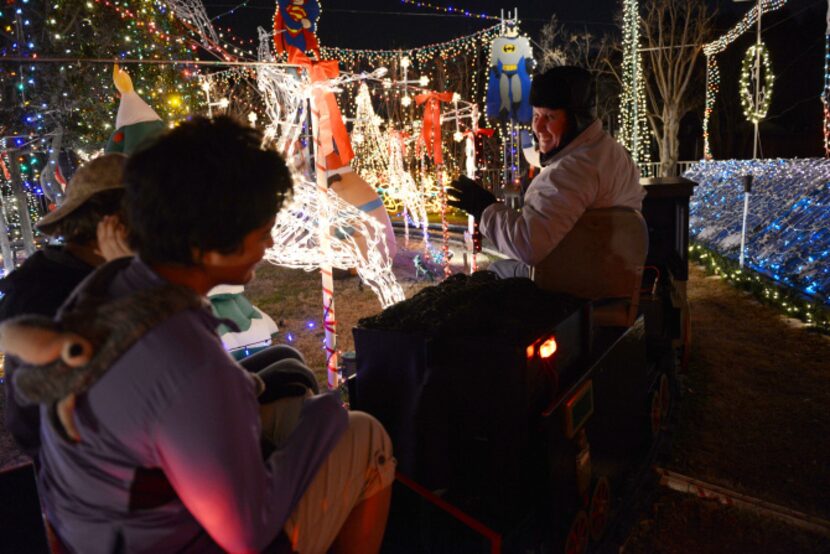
{"x": 519, "y": 423}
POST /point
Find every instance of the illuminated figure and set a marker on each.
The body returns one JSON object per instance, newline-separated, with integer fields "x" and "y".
{"x": 508, "y": 89}
{"x": 295, "y": 24}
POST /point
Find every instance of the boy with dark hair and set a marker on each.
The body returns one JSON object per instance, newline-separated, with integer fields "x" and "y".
{"x": 89, "y": 225}
{"x": 168, "y": 457}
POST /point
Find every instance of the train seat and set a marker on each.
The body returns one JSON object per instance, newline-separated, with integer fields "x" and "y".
{"x": 600, "y": 259}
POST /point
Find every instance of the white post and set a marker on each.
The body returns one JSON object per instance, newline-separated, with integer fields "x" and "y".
{"x": 206, "y": 88}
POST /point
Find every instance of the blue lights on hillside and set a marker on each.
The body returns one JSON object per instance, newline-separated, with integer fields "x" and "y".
{"x": 788, "y": 227}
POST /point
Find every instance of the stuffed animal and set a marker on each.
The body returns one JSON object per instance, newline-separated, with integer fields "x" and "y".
{"x": 62, "y": 358}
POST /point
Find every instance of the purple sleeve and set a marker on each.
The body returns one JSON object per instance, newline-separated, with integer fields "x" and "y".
{"x": 22, "y": 419}
{"x": 207, "y": 443}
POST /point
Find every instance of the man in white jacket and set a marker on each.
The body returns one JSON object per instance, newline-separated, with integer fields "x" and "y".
{"x": 583, "y": 168}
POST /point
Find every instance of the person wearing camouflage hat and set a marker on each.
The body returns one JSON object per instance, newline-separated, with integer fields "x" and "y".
{"x": 88, "y": 227}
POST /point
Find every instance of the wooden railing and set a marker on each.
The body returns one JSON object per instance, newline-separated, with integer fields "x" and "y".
{"x": 652, "y": 169}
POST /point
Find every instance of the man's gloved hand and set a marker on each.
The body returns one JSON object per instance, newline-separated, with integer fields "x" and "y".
{"x": 467, "y": 195}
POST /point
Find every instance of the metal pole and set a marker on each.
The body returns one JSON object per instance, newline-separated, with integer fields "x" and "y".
{"x": 206, "y": 88}
{"x": 757, "y": 80}
{"x": 747, "y": 180}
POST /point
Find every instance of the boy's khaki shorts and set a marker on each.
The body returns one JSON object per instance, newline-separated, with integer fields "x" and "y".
{"x": 359, "y": 467}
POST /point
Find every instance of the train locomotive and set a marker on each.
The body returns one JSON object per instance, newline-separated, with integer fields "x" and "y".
{"x": 526, "y": 419}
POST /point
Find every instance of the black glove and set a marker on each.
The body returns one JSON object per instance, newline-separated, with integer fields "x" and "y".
{"x": 469, "y": 196}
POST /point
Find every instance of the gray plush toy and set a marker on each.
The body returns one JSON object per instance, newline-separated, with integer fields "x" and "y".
{"x": 62, "y": 358}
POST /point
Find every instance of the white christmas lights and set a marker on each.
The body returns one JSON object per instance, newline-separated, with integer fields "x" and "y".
{"x": 357, "y": 240}
{"x": 755, "y": 113}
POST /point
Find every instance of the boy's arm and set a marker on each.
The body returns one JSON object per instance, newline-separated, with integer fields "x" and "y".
{"x": 207, "y": 443}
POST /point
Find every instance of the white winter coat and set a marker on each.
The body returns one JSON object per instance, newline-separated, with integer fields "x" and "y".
{"x": 593, "y": 171}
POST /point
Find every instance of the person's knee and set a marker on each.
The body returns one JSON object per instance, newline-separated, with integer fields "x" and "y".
{"x": 368, "y": 433}
{"x": 364, "y": 425}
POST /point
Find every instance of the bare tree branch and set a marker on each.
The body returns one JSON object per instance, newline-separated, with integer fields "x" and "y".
{"x": 673, "y": 34}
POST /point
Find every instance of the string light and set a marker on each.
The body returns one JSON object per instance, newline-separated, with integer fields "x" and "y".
{"x": 17, "y": 205}
{"x": 752, "y": 112}
{"x": 788, "y": 241}
{"x": 401, "y": 190}
{"x": 712, "y": 87}
{"x": 713, "y": 74}
{"x": 747, "y": 21}
{"x": 369, "y": 143}
{"x": 634, "y": 134}
{"x": 785, "y": 300}
{"x": 449, "y": 9}
{"x": 352, "y": 58}
{"x": 825, "y": 95}
{"x": 297, "y": 240}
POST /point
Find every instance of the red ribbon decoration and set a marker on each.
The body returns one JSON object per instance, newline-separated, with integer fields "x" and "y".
{"x": 485, "y": 132}
{"x": 6, "y": 174}
{"x": 332, "y": 129}
{"x": 401, "y": 137}
{"x": 431, "y": 127}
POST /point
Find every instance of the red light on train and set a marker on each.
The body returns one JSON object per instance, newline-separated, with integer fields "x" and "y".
{"x": 547, "y": 348}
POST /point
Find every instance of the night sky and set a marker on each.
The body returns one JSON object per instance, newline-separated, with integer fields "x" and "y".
{"x": 381, "y": 24}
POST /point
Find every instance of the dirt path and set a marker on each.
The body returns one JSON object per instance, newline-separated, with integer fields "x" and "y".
{"x": 755, "y": 414}
{"x": 754, "y": 419}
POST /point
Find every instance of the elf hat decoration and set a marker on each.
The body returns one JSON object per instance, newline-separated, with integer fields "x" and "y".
{"x": 136, "y": 122}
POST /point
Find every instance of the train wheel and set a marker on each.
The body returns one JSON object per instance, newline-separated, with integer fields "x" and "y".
{"x": 576, "y": 541}
{"x": 656, "y": 412}
{"x": 665, "y": 396}
{"x": 600, "y": 508}
{"x": 686, "y": 339}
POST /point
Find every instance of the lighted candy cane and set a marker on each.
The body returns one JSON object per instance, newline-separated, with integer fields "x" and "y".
{"x": 431, "y": 140}
{"x": 470, "y": 167}
{"x": 329, "y": 319}
{"x": 473, "y": 234}
{"x": 320, "y": 120}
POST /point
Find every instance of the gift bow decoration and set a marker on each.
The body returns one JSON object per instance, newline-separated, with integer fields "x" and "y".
{"x": 483, "y": 132}
{"x": 431, "y": 127}
{"x": 333, "y": 135}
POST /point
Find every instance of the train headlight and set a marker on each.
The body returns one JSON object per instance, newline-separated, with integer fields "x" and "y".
{"x": 548, "y": 348}
{"x": 544, "y": 349}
